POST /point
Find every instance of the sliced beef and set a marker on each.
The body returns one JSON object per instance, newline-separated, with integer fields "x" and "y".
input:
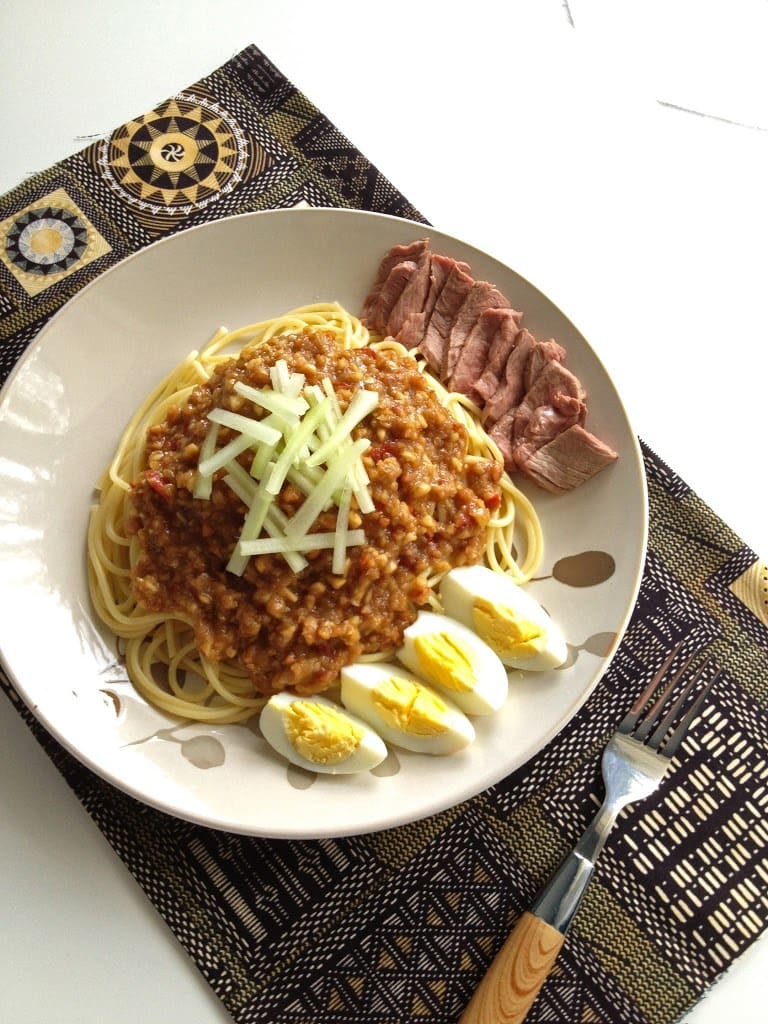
{"x": 434, "y": 345}
{"x": 414, "y": 326}
{"x": 396, "y": 283}
{"x": 544, "y": 352}
{"x": 544, "y": 438}
{"x": 412, "y": 252}
{"x": 525, "y": 365}
{"x": 481, "y": 296}
{"x": 554, "y": 402}
{"x": 568, "y": 460}
{"x": 507, "y": 323}
{"x": 511, "y": 390}
{"x": 412, "y": 298}
{"x": 411, "y": 333}
{"x": 501, "y": 433}
{"x": 473, "y": 358}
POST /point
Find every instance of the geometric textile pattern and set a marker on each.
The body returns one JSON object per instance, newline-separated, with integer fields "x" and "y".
{"x": 741, "y": 585}
{"x": 182, "y": 155}
{"x": 228, "y": 144}
{"x": 400, "y": 925}
{"x": 48, "y": 240}
{"x": 751, "y": 588}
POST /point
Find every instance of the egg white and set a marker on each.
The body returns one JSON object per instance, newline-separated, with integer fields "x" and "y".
{"x": 442, "y": 728}
{"x": 496, "y": 608}
{"x": 369, "y": 751}
{"x": 453, "y": 659}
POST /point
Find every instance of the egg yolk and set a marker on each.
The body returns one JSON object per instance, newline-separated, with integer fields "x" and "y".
{"x": 445, "y": 661}
{"x": 405, "y": 705}
{"x": 505, "y": 632}
{"x": 321, "y": 734}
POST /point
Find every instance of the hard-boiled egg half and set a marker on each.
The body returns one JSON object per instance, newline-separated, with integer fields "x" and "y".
{"x": 510, "y": 621}
{"x": 316, "y": 734}
{"x": 402, "y": 709}
{"x": 453, "y": 658}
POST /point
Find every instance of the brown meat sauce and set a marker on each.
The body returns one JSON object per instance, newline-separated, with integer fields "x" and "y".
{"x": 298, "y": 630}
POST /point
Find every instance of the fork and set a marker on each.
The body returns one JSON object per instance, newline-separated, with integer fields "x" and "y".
{"x": 633, "y": 765}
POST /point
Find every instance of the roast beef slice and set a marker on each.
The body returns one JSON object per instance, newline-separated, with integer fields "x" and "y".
{"x": 413, "y": 252}
{"x": 568, "y": 460}
{"x": 511, "y": 389}
{"x": 473, "y": 359}
{"x": 481, "y": 296}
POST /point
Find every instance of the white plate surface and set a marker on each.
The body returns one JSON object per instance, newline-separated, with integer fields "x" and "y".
{"x": 60, "y": 416}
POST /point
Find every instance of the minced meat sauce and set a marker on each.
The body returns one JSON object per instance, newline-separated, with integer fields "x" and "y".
{"x": 432, "y": 507}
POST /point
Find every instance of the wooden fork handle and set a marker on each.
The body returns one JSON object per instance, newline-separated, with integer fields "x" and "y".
{"x": 507, "y": 991}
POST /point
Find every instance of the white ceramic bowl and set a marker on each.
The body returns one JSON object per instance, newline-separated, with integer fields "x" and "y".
{"x": 61, "y": 414}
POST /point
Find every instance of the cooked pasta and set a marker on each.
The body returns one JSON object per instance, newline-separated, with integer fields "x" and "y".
{"x": 162, "y": 658}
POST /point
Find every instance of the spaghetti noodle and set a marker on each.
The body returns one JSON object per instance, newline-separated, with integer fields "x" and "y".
{"x": 162, "y": 657}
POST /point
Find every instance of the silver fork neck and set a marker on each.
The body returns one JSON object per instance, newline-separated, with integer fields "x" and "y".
{"x": 558, "y": 902}
{"x": 630, "y": 772}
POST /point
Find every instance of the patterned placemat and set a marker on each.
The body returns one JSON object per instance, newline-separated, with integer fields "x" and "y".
{"x": 400, "y": 926}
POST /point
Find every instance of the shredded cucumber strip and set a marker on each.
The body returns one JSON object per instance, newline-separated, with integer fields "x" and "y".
{"x": 255, "y": 429}
{"x": 207, "y": 467}
{"x": 273, "y": 401}
{"x": 313, "y": 505}
{"x": 204, "y": 483}
{"x": 274, "y": 524}
{"x": 342, "y": 531}
{"x": 306, "y": 480}
{"x": 304, "y": 439}
{"x": 310, "y": 542}
{"x": 242, "y": 483}
{"x": 293, "y": 447}
{"x": 361, "y": 405}
{"x": 263, "y": 458}
{"x": 286, "y": 381}
{"x": 258, "y": 502}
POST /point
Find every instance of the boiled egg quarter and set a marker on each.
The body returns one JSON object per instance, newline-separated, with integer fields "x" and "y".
{"x": 403, "y": 710}
{"x": 456, "y": 661}
{"x": 318, "y": 735}
{"x": 505, "y": 616}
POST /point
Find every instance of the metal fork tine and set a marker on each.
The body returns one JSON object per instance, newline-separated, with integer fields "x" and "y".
{"x": 632, "y": 717}
{"x": 678, "y": 735}
{"x": 652, "y": 716}
{"x": 664, "y": 724}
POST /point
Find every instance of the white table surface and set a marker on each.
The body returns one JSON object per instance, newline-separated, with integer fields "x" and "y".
{"x": 614, "y": 154}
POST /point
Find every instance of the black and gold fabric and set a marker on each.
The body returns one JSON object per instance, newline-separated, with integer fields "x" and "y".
{"x": 399, "y": 926}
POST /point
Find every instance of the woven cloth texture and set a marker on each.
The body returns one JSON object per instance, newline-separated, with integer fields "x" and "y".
{"x": 400, "y": 925}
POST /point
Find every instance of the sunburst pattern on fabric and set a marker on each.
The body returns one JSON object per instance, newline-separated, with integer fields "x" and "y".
{"x": 179, "y": 157}
{"x": 751, "y": 588}
{"x": 47, "y": 240}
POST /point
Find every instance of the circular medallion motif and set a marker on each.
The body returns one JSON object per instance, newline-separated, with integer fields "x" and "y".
{"x": 47, "y": 240}
{"x": 179, "y": 157}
